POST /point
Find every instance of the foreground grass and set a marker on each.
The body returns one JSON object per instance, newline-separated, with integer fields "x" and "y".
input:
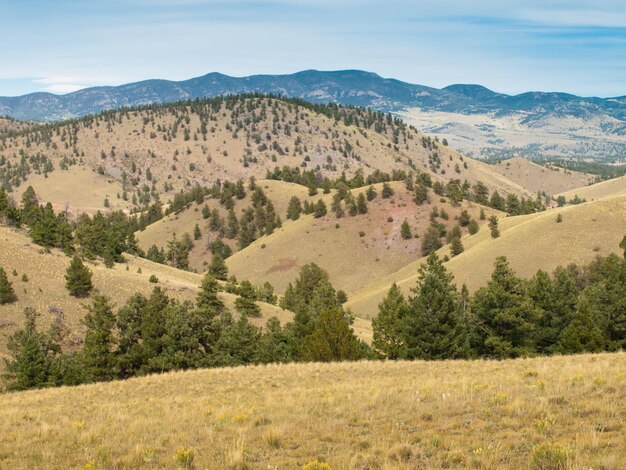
{"x": 562, "y": 412}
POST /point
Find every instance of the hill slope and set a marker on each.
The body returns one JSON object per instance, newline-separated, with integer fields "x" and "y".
{"x": 473, "y": 117}
{"x": 153, "y": 151}
{"x": 523, "y": 413}
{"x": 45, "y": 288}
{"x": 530, "y": 242}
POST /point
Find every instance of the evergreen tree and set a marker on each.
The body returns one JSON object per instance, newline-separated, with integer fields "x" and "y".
{"x": 294, "y": 209}
{"x": 493, "y": 226}
{"x": 371, "y": 193}
{"x": 389, "y": 331}
{"x": 7, "y": 294}
{"x": 218, "y": 268}
{"x": 421, "y": 194}
{"x": 506, "y": 315}
{"x": 245, "y": 302}
{"x": 405, "y": 230}
{"x": 197, "y": 234}
{"x": 387, "y": 191}
{"x": 622, "y": 245}
{"x": 361, "y": 204}
{"x": 320, "y": 209}
{"x": 432, "y": 240}
{"x": 274, "y": 346}
{"x": 238, "y": 344}
{"x": 31, "y": 355}
{"x": 456, "y": 247}
{"x": 332, "y": 339}
{"x": 78, "y": 278}
{"x": 432, "y": 317}
{"x": 582, "y": 334}
{"x": 207, "y": 300}
{"x": 98, "y": 350}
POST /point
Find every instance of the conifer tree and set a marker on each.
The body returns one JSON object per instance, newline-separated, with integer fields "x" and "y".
{"x": 421, "y": 194}
{"x": 361, "y": 204}
{"x": 197, "y": 234}
{"x": 218, "y": 268}
{"x": 78, "y": 278}
{"x": 506, "y": 315}
{"x": 332, "y": 339}
{"x": 31, "y": 354}
{"x": 207, "y": 299}
{"x": 245, "y": 302}
{"x": 622, "y": 245}
{"x": 432, "y": 317}
{"x": 389, "y": 329}
{"x": 456, "y": 247}
{"x": 431, "y": 241}
{"x": 405, "y": 230}
{"x": 294, "y": 209}
{"x": 7, "y": 294}
{"x": 97, "y": 353}
{"x": 493, "y": 226}
{"x": 387, "y": 191}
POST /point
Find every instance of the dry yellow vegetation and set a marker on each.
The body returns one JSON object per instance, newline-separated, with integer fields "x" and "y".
{"x": 536, "y": 178}
{"x": 605, "y": 189}
{"x": 540, "y": 413}
{"x": 45, "y": 287}
{"x": 530, "y": 242}
{"x": 158, "y": 233}
{"x": 356, "y": 251}
{"x": 243, "y": 140}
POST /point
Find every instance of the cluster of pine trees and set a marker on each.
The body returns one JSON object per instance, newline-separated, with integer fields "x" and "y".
{"x": 577, "y": 309}
{"x": 157, "y": 334}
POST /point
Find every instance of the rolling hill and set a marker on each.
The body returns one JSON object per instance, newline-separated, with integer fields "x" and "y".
{"x": 530, "y": 242}
{"x": 476, "y": 120}
{"x": 44, "y": 290}
{"x": 139, "y": 155}
{"x": 536, "y": 413}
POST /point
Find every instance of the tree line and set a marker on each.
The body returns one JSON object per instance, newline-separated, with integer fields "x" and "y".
{"x": 576, "y": 309}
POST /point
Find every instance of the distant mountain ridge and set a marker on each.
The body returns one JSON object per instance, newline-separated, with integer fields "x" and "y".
{"x": 546, "y": 110}
{"x": 354, "y": 87}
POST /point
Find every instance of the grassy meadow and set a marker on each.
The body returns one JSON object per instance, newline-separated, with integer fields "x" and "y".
{"x": 540, "y": 413}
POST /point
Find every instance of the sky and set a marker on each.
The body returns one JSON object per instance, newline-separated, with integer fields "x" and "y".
{"x": 510, "y": 46}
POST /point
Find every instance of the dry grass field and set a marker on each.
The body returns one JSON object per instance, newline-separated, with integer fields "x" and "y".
{"x": 45, "y": 287}
{"x": 602, "y": 190}
{"x": 356, "y": 251}
{"x": 541, "y": 413}
{"x": 530, "y": 242}
{"x": 140, "y": 140}
{"x": 535, "y": 178}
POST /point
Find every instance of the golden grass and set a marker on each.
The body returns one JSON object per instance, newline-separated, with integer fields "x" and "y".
{"x": 46, "y": 287}
{"x": 160, "y": 232}
{"x": 535, "y": 178}
{"x": 386, "y": 415}
{"x": 605, "y": 189}
{"x": 530, "y": 242}
{"x": 352, "y": 261}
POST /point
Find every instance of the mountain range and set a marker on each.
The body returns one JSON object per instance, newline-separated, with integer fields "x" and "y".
{"x": 476, "y": 120}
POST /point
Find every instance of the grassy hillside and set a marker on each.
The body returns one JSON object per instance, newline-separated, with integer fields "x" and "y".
{"x": 354, "y": 250}
{"x": 184, "y": 144}
{"x": 602, "y": 190}
{"x": 535, "y": 178}
{"x": 161, "y": 231}
{"x": 541, "y": 413}
{"x": 530, "y": 242}
{"x": 45, "y": 287}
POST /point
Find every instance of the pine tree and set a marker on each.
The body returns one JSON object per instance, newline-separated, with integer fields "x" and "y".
{"x": 421, "y": 194}
{"x": 218, "y": 268}
{"x": 456, "y": 247}
{"x": 432, "y": 317}
{"x": 582, "y": 334}
{"x": 507, "y": 316}
{"x": 99, "y": 343}
{"x": 493, "y": 226}
{"x": 78, "y": 278}
{"x": 387, "y": 191}
{"x": 7, "y": 294}
{"x": 405, "y": 230}
{"x": 31, "y": 355}
{"x": 207, "y": 299}
{"x": 622, "y": 245}
{"x": 388, "y": 325}
{"x": 332, "y": 339}
{"x": 294, "y": 209}
{"x": 197, "y": 234}
{"x": 245, "y": 302}
{"x": 371, "y": 193}
{"x": 320, "y": 209}
{"x": 432, "y": 240}
{"x": 361, "y": 204}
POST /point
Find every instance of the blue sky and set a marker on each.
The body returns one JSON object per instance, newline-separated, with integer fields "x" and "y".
{"x": 507, "y": 45}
